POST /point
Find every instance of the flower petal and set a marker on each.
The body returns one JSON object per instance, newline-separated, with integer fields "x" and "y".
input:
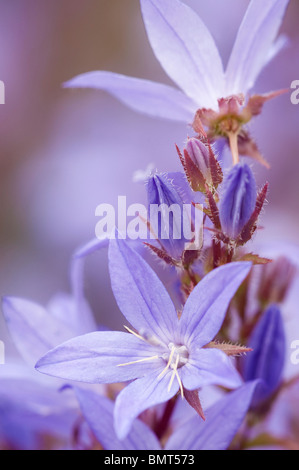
{"x": 139, "y": 396}
{"x": 145, "y": 96}
{"x": 222, "y": 423}
{"x": 209, "y": 367}
{"x": 140, "y": 294}
{"x": 186, "y": 50}
{"x": 91, "y": 247}
{"x": 205, "y": 309}
{"x": 73, "y": 313}
{"x": 98, "y": 412}
{"x": 99, "y": 358}
{"x": 253, "y": 44}
{"x": 33, "y": 329}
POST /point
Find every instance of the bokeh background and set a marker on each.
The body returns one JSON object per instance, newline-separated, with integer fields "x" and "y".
{"x": 63, "y": 152}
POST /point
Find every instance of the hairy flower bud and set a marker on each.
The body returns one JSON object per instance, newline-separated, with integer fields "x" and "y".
{"x": 167, "y": 215}
{"x": 200, "y": 165}
{"x": 275, "y": 281}
{"x": 199, "y": 154}
{"x": 237, "y": 201}
{"x": 266, "y": 361}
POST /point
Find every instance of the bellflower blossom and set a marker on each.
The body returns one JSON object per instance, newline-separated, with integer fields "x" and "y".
{"x": 164, "y": 354}
{"x": 187, "y": 51}
{"x": 33, "y": 408}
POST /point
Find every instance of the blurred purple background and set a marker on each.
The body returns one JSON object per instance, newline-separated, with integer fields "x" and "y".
{"x": 63, "y": 152}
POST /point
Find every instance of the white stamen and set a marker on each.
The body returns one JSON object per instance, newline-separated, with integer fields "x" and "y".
{"x": 174, "y": 372}
{"x": 168, "y": 363}
{"x": 134, "y": 333}
{"x": 139, "y": 360}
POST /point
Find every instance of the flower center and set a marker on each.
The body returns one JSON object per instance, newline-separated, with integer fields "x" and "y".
{"x": 177, "y": 357}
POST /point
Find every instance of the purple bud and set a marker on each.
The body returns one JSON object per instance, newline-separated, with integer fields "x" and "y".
{"x": 266, "y": 361}
{"x": 199, "y": 154}
{"x": 238, "y": 200}
{"x": 166, "y": 213}
{"x": 276, "y": 280}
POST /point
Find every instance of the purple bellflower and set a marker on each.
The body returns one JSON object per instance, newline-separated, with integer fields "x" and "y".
{"x": 31, "y": 410}
{"x": 223, "y": 421}
{"x": 237, "y": 201}
{"x": 34, "y": 328}
{"x": 267, "y": 360}
{"x": 164, "y": 354}
{"x": 187, "y": 51}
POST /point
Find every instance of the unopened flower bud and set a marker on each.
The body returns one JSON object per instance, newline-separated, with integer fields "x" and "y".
{"x": 275, "y": 281}
{"x": 238, "y": 200}
{"x": 199, "y": 154}
{"x": 166, "y": 210}
{"x": 266, "y": 361}
{"x": 200, "y": 165}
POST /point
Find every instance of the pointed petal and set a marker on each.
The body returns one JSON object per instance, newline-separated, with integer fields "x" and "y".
{"x": 33, "y": 329}
{"x": 222, "y": 423}
{"x": 139, "y": 396}
{"x": 209, "y": 367}
{"x": 140, "y": 294}
{"x": 98, "y": 412}
{"x": 281, "y": 43}
{"x": 97, "y": 358}
{"x": 193, "y": 399}
{"x": 205, "y": 309}
{"x": 186, "y": 50}
{"x": 155, "y": 99}
{"x": 253, "y": 44}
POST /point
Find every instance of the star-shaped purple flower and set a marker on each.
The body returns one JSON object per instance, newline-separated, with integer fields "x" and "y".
{"x": 164, "y": 353}
{"x": 187, "y": 52}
